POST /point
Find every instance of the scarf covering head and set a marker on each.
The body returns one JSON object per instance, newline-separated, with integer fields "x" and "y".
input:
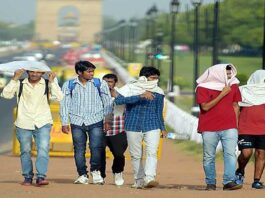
{"x": 253, "y": 93}
{"x": 215, "y": 77}
{"x": 10, "y": 67}
{"x": 138, "y": 87}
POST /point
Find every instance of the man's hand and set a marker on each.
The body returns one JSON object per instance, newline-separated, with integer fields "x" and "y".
{"x": 66, "y": 129}
{"x": 113, "y": 93}
{"x": 52, "y": 76}
{"x": 163, "y": 134}
{"x": 147, "y": 95}
{"x": 225, "y": 91}
{"x": 18, "y": 73}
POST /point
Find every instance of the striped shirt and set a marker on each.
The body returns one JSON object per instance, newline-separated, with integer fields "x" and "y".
{"x": 85, "y": 106}
{"x": 142, "y": 115}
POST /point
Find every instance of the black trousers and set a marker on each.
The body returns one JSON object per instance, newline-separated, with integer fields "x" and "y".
{"x": 117, "y": 145}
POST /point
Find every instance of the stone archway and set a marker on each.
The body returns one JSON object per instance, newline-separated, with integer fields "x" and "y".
{"x": 68, "y": 20}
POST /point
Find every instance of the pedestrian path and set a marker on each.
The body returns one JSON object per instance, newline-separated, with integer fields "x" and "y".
{"x": 180, "y": 175}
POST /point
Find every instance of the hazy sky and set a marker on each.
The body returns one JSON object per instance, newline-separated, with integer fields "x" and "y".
{"x": 23, "y": 11}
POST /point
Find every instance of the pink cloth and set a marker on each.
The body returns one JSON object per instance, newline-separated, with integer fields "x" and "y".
{"x": 215, "y": 77}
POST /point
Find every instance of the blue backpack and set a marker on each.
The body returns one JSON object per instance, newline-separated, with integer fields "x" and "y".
{"x": 96, "y": 82}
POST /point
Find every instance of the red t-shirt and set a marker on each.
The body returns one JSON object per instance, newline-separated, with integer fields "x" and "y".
{"x": 252, "y": 120}
{"x": 220, "y": 117}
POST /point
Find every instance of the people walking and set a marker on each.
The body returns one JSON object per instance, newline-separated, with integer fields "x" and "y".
{"x": 252, "y": 128}
{"x": 33, "y": 119}
{"x": 115, "y": 134}
{"x": 143, "y": 122}
{"x": 86, "y": 103}
{"x": 218, "y": 95}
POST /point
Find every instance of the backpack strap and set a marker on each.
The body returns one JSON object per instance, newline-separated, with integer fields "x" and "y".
{"x": 71, "y": 86}
{"x": 47, "y": 90}
{"x": 97, "y": 84}
{"x": 20, "y": 90}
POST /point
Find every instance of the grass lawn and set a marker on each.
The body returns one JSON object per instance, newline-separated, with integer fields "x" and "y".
{"x": 184, "y": 67}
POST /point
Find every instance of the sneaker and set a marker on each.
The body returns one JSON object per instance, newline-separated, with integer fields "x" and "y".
{"x": 151, "y": 184}
{"x": 41, "y": 181}
{"x": 118, "y": 179}
{"x": 239, "y": 178}
{"x": 83, "y": 179}
{"x": 210, "y": 187}
{"x": 138, "y": 184}
{"x": 232, "y": 186}
{"x": 27, "y": 182}
{"x": 258, "y": 185}
{"x": 96, "y": 177}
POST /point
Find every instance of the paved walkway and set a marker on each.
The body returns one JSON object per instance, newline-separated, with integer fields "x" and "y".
{"x": 180, "y": 175}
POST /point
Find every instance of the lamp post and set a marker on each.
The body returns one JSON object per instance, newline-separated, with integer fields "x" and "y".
{"x": 147, "y": 21}
{"x": 174, "y": 5}
{"x": 153, "y": 44}
{"x": 196, "y": 4}
{"x": 215, "y": 33}
{"x": 133, "y": 25}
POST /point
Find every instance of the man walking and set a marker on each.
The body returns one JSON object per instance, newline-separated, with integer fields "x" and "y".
{"x": 144, "y": 102}
{"x": 115, "y": 136}
{"x": 34, "y": 119}
{"x": 252, "y": 128}
{"x": 87, "y": 101}
{"x": 218, "y": 96}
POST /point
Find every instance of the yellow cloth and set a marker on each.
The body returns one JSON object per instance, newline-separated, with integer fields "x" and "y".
{"x": 33, "y": 109}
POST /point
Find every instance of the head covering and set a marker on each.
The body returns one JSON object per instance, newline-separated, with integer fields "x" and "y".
{"x": 138, "y": 87}
{"x": 253, "y": 93}
{"x": 10, "y": 67}
{"x": 215, "y": 77}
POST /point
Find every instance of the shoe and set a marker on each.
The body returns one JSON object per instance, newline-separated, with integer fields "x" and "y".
{"x": 83, "y": 179}
{"x": 239, "y": 178}
{"x": 27, "y": 182}
{"x": 96, "y": 177}
{"x": 210, "y": 187}
{"x": 232, "y": 186}
{"x": 118, "y": 179}
{"x": 41, "y": 181}
{"x": 151, "y": 184}
{"x": 138, "y": 184}
{"x": 258, "y": 185}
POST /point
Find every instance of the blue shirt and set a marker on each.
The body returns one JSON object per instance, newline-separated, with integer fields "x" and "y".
{"x": 142, "y": 115}
{"x": 85, "y": 106}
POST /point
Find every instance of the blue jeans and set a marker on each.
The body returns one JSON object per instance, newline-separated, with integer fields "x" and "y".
{"x": 42, "y": 141}
{"x": 228, "y": 140}
{"x": 97, "y": 144}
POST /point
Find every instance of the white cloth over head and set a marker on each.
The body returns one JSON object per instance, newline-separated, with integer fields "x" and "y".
{"x": 215, "y": 77}
{"x": 138, "y": 87}
{"x": 10, "y": 67}
{"x": 253, "y": 93}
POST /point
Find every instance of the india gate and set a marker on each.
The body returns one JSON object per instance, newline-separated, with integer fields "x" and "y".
{"x": 68, "y": 20}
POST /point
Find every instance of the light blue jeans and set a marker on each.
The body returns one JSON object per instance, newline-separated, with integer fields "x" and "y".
{"x": 228, "y": 140}
{"x": 42, "y": 141}
{"x": 151, "y": 139}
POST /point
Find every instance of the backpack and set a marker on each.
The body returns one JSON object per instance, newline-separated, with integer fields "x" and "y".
{"x": 96, "y": 82}
{"x": 46, "y": 92}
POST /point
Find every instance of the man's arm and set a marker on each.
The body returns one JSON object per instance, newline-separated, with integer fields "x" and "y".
{"x": 106, "y": 98}
{"x": 55, "y": 88}
{"x": 120, "y": 99}
{"x": 11, "y": 88}
{"x": 237, "y": 111}
{"x": 64, "y": 108}
{"x": 208, "y": 105}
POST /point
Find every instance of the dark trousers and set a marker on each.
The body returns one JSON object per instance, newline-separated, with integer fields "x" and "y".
{"x": 117, "y": 145}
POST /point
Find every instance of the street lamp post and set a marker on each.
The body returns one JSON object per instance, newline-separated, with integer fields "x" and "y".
{"x": 215, "y": 34}
{"x": 133, "y": 25}
{"x": 196, "y": 4}
{"x": 174, "y": 5}
{"x": 153, "y": 44}
{"x": 147, "y": 21}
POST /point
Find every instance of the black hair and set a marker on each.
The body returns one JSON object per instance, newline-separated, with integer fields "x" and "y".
{"x": 228, "y": 67}
{"x": 82, "y": 66}
{"x": 111, "y": 76}
{"x": 149, "y": 71}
